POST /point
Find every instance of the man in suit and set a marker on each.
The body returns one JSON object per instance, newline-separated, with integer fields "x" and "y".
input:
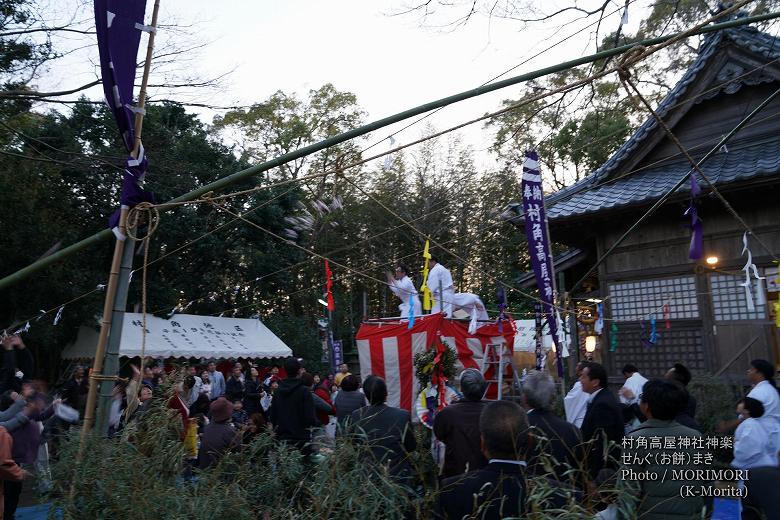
{"x": 457, "y": 426}
{"x": 498, "y": 490}
{"x": 387, "y": 430}
{"x": 553, "y": 440}
{"x": 603, "y": 421}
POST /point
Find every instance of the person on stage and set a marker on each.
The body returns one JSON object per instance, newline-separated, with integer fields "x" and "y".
{"x": 403, "y": 288}
{"x": 440, "y": 284}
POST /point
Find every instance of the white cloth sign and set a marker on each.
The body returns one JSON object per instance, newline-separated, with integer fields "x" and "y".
{"x": 187, "y": 335}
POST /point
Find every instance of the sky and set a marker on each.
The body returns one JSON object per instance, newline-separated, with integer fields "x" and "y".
{"x": 390, "y": 62}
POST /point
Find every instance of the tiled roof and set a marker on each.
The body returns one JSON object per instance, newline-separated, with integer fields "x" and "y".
{"x": 737, "y": 164}
{"x": 596, "y": 192}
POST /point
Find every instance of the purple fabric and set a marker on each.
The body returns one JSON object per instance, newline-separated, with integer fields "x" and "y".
{"x": 501, "y": 300}
{"x": 132, "y": 193}
{"x": 27, "y": 439}
{"x": 539, "y": 244}
{"x": 696, "y": 250}
{"x": 118, "y": 40}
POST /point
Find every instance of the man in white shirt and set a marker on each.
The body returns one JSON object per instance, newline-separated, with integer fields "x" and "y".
{"x": 761, "y": 375}
{"x": 404, "y": 289}
{"x": 576, "y": 401}
{"x": 440, "y": 284}
{"x": 632, "y": 388}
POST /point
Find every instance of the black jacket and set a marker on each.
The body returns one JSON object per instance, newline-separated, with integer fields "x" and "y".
{"x": 556, "y": 439}
{"x": 603, "y": 421}
{"x": 389, "y": 432}
{"x": 234, "y": 389}
{"x": 252, "y": 396}
{"x": 292, "y": 412}
{"x": 457, "y": 426}
{"x": 498, "y": 489}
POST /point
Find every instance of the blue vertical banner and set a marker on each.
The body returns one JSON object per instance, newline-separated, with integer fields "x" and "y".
{"x": 336, "y": 354}
{"x": 539, "y": 245}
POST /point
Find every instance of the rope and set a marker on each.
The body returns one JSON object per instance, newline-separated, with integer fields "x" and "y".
{"x": 149, "y": 214}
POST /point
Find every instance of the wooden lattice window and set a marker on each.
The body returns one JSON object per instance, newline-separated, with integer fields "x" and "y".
{"x": 638, "y": 300}
{"x": 729, "y": 301}
{"x": 676, "y": 345}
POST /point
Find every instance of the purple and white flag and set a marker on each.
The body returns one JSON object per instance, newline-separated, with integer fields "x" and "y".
{"x": 539, "y": 245}
{"x": 119, "y": 24}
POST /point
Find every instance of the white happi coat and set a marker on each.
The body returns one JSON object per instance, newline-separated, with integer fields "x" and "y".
{"x": 404, "y": 289}
{"x": 439, "y": 276}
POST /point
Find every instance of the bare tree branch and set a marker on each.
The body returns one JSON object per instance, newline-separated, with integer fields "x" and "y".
{"x": 34, "y": 94}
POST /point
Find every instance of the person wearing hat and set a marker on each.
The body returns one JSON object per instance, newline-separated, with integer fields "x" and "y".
{"x": 219, "y": 435}
{"x": 457, "y": 426}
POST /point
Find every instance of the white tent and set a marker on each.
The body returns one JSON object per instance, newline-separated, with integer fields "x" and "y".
{"x": 187, "y": 335}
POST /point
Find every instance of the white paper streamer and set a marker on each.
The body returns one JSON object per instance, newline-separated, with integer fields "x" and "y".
{"x": 58, "y": 315}
{"x": 747, "y": 284}
{"x": 388, "y": 159}
{"x": 146, "y": 28}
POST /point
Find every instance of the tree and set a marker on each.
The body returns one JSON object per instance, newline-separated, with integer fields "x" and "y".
{"x": 577, "y": 131}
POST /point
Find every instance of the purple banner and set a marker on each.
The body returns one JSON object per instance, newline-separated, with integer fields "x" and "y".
{"x": 118, "y": 24}
{"x": 539, "y": 244}
{"x": 337, "y": 353}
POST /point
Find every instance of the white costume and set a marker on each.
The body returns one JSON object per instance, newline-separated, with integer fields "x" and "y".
{"x": 576, "y": 404}
{"x": 404, "y": 289}
{"x": 471, "y": 304}
{"x": 756, "y": 444}
{"x": 635, "y": 384}
{"x": 769, "y": 397}
{"x": 439, "y": 276}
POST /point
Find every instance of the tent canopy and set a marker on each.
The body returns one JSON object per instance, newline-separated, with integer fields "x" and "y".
{"x": 187, "y": 335}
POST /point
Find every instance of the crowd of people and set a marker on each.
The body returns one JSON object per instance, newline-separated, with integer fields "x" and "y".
{"x": 590, "y": 453}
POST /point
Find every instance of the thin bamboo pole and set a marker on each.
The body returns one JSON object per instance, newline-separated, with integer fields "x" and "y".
{"x": 371, "y": 127}
{"x": 108, "y": 305}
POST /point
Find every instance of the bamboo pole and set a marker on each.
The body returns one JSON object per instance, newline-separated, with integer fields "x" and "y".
{"x": 371, "y": 127}
{"x": 108, "y": 305}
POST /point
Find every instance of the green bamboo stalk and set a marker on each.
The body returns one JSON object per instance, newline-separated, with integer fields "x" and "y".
{"x": 370, "y": 127}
